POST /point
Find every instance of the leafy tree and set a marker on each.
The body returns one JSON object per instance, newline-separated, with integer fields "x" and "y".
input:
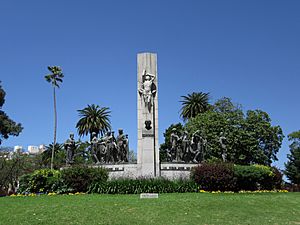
{"x": 250, "y": 138}
{"x": 59, "y": 156}
{"x": 225, "y": 105}
{"x": 55, "y": 78}
{"x": 193, "y": 104}
{"x": 267, "y": 138}
{"x": 7, "y": 126}
{"x": 93, "y": 118}
{"x": 12, "y": 166}
{"x": 292, "y": 167}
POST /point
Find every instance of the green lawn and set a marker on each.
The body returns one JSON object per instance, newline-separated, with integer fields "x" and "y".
{"x": 189, "y": 208}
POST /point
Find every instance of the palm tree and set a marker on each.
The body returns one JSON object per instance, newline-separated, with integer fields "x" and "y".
{"x": 54, "y": 78}
{"x": 93, "y": 118}
{"x": 47, "y": 154}
{"x": 193, "y": 104}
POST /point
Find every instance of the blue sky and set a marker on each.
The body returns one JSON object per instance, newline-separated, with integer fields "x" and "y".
{"x": 246, "y": 50}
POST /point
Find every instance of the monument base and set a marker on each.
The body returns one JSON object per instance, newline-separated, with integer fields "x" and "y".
{"x": 174, "y": 171}
{"x": 170, "y": 171}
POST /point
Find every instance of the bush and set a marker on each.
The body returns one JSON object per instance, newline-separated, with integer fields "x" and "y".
{"x": 137, "y": 186}
{"x": 214, "y": 176}
{"x": 44, "y": 180}
{"x": 277, "y": 179}
{"x": 78, "y": 179}
{"x": 256, "y": 177}
{"x": 226, "y": 177}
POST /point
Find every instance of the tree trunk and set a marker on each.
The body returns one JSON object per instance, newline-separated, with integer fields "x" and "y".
{"x": 55, "y": 127}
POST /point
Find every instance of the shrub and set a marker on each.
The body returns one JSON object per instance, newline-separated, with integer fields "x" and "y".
{"x": 43, "y": 180}
{"x": 277, "y": 179}
{"x": 273, "y": 181}
{"x": 254, "y": 177}
{"x": 78, "y": 179}
{"x": 214, "y": 176}
{"x": 137, "y": 186}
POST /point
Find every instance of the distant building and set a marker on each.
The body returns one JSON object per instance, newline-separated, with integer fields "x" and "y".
{"x": 18, "y": 148}
{"x": 33, "y": 149}
{"x": 42, "y": 148}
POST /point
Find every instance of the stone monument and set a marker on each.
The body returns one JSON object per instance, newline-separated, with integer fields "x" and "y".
{"x": 112, "y": 153}
{"x": 147, "y": 111}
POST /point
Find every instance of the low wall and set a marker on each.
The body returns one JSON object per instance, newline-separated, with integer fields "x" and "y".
{"x": 122, "y": 170}
{"x": 173, "y": 171}
{"x": 167, "y": 170}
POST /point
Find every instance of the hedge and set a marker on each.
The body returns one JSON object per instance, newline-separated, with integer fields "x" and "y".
{"x": 143, "y": 185}
{"x": 229, "y": 177}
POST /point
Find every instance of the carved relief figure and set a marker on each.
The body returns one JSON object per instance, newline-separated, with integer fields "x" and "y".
{"x": 147, "y": 89}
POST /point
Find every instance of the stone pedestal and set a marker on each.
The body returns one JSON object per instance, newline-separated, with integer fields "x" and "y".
{"x": 147, "y": 105}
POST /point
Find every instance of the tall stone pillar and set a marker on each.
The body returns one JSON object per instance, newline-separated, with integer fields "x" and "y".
{"x": 147, "y": 96}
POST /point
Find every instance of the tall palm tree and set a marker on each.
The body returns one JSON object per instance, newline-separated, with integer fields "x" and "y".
{"x": 93, "y": 118}
{"x": 193, "y": 104}
{"x": 55, "y": 78}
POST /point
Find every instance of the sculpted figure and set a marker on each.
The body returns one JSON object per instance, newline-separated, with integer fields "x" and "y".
{"x": 111, "y": 147}
{"x": 185, "y": 146}
{"x": 147, "y": 89}
{"x": 94, "y": 147}
{"x": 126, "y": 148}
{"x": 222, "y": 141}
{"x": 196, "y": 146}
{"x": 70, "y": 147}
{"x": 175, "y": 150}
{"x": 203, "y": 148}
{"x": 102, "y": 150}
{"x": 122, "y": 146}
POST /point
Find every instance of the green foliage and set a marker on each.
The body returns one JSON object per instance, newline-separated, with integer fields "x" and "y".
{"x": 277, "y": 181}
{"x": 59, "y": 156}
{"x": 12, "y": 167}
{"x": 137, "y": 186}
{"x": 79, "y": 178}
{"x": 93, "y": 118}
{"x": 292, "y": 167}
{"x": 229, "y": 177}
{"x": 73, "y": 179}
{"x": 43, "y": 180}
{"x": 250, "y": 139}
{"x": 254, "y": 177}
{"x": 82, "y": 153}
{"x": 214, "y": 176}
{"x": 7, "y": 126}
{"x": 194, "y": 104}
{"x": 55, "y": 77}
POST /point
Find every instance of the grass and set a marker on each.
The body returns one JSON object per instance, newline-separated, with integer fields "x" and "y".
{"x": 188, "y": 208}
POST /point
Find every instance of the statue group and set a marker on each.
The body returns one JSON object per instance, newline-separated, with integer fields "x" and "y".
{"x": 193, "y": 149}
{"x": 109, "y": 149}
{"x": 104, "y": 150}
{"x": 185, "y": 149}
